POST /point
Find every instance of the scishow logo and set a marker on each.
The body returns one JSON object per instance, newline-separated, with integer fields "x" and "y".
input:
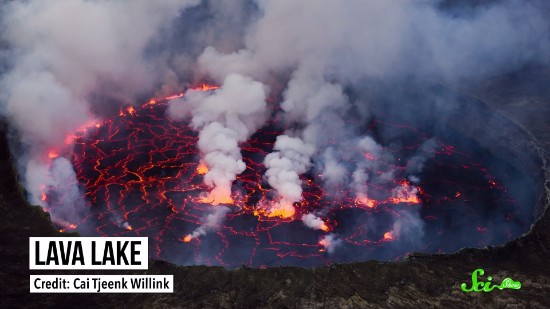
{"x": 488, "y": 286}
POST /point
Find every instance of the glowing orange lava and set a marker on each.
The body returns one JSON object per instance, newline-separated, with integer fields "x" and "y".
{"x": 205, "y": 87}
{"x": 407, "y": 199}
{"x": 218, "y": 196}
{"x": 323, "y": 242}
{"x": 131, "y": 110}
{"x": 175, "y": 96}
{"x": 388, "y": 236}
{"x": 283, "y": 209}
{"x": 405, "y": 194}
{"x": 52, "y": 154}
{"x": 363, "y": 200}
{"x": 202, "y": 169}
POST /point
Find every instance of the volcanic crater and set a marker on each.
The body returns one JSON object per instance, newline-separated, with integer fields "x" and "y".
{"x": 479, "y": 184}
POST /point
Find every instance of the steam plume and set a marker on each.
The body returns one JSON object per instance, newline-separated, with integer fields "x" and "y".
{"x": 330, "y": 242}
{"x": 210, "y": 222}
{"x": 225, "y": 118}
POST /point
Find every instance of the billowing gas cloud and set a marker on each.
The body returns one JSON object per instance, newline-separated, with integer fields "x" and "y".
{"x": 330, "y": 242}
{"x": 332, "y": 46}
{"x": 224, "y": 118}
{"x": 388, "y": 39}
{"x": 284, "y": 167}
{"x": 373, "y": 153}
{"x": 312, "y": 102}
{"x": 64, "y": 56}
{"x": 63, "y": 185}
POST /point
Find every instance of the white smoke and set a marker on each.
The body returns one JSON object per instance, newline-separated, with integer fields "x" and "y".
{"x": 393, "y": 38}
{"x": 409, "y": 227}
{"x": 374, "y": 156}
{"x": 65, "y": 52}
{"x": 330, "y": 242}
{"x": 63, "y": 186}
{"x": 218, "y": 65}
{"x": 284, "y": 167}
{"x": 224, "y": 118}
{"x": 329, "y": 46}
{"x": 314, "y": 222}
{"x": 415, "y": 164}
{"x": 210, "y": 222}
{"x": 335, "y": 173}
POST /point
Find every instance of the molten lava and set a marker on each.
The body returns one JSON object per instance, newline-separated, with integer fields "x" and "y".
{"x": 142, "y": 175}
{"x": 282, "y": 209}
{"x": 52, "y": 154}
{"x": 363, "y": 200}
{"x": 388, "y": 236}
{"x": 202, "y": 168}
{"x": 217, "y": 197}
